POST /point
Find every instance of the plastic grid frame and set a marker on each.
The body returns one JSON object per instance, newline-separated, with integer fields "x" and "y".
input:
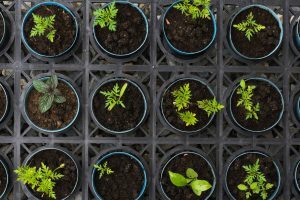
{"x": 218, "y": 66}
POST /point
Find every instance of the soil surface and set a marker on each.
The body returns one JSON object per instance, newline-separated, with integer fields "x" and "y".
{"x": 236, "y": 174}
{"x": 270, "y": 106}
{"x": 59, "y": 115}
{"x": 130, "y": 32}
{"x": 125, "y": 183}
{"x": 3, "y": 179}
{"x": 64, "y": 36}
{"x": 179, "y": 165}
{"x": 264, "y": 41}
{"x": 53, "y": 159}
{"x": 119, "y": 118}
{"x": 199, "y": 92}
{"x": 3, "y": 102}
{"x": 182, "y": 31}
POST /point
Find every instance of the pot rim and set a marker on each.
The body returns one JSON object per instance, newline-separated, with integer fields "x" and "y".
{"x": 6, "y": 104}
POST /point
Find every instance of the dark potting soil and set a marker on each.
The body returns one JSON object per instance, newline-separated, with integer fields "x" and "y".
{"x": 53, "y": 159}
{"x": 3, "y": 179}
{"x": 270, "y": 106}
{"x": 199, "y": 92}
{"x": 59, "y": 115}
{"x": 236, "y": 174}
{"x": 130, "y": 32}
{"x": 188, "y": 34}
{"x": 179, "y": 165}
{"x": 64, "y": 36}
{"x": 125, "y": 183}
{"x": 3, "y": 102}
{"x": 119, "y": 118}
{"x": 263, "y": 42}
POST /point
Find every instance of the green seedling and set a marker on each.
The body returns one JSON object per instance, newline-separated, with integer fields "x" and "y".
{"x": 106, "y": 17}
{"x": 114, "y": 96}
{"x": 210, "y": 106}
{"x": 189, "y": 118}
{"x": 41, "y": 179}
{"x": 50, "y": 93}
{"x": 103, "y": 169}
{"x": 182, "y": 97}
{"x": 255, "y": 182}
{"x": 198, "y": 186}
{"x": 195, "y": 8}
{"x": 43, "y": 26}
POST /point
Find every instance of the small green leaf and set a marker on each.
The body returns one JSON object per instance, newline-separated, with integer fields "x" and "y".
{"x": 254, "y": 185}
{"x": 269, "y": 186}
{"x": 177, "y": 179}
{"x": 123, "y": 90}
{"x": 243, "y": 84}
{"x": 45, "y": 103}
{"x": 199, "y": 186}
{"x": 59, "y": 99}
{"x": 53, "y": 81}
{"x": 242, "y": 187}
{"x": 190, "y": 173}
{"x": 40, "y": 86}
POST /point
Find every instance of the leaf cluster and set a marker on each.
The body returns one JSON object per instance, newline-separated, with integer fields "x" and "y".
{"x": 246, "y": 93}
{"x": 114, "y": 96}
{"x": 250, "y": 27}
{"x": 210, "y": 106}
{"x": 50, "y": 93}
{"x": 255, "y": 182}
{"x": 198, "y": 186}
{"x": 106, "y": 17}
{"x": 103, "y": 169}
{"x": 195, "y": 8}
{"x": 43, "y": 26}
{"x": 41, "y": 179}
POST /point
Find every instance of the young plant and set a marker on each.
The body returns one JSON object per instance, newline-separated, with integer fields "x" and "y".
{"x": 188, "y": 117}
{"x": 246, "y": 93}
{"x": 182, "y": 97}
{"x": 106, "y": 17}
{"x": 41, "y": 179}
{"x": 43, "y": 26}
{"x": 50, "y": 93}
{"x": 250, "y": 27}
{"x": 114, "y": 96}
{"x": 210, "y": 106}
{"x": 198, "y": 186}
{"x": 103, "y": 169}
{"x": 195, "y": 8}
{"x": 255, "y": 182}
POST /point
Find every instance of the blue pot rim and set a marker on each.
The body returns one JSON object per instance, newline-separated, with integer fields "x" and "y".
{"x": 260, "y": 153}
{"x": 47, "y": 3}
{"x": 282, "y": 103}
{"x": 7, "y": 178}
{"x": 6, "y": 99}
{"x": 195, "y": 153}
{"x": 168, "y": 87}
{"x": 213, "y": 19}
{"x": 116, "y": 79}
{"x": 297, "y": 29}
{"x": 146, "y": 24}
{"x": 126, "y": 154}
{"x": 28, "y": 90}
{"x": 274, "y": 15}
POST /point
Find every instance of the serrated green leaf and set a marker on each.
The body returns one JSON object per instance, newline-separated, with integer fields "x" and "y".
{"x": 242, "y": 187}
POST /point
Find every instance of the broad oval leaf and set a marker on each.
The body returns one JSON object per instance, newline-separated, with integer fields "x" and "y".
{"x": 190, "y": 173}
{"x": 52, "y": 81}
{"x": 59, "y": 99}
{"x": 254, "y": 186}
{"x": 242, "y": 187}
{"x": 40, "y": 86}
{"x": 199, "y": 186}
{"x": 177, "y": 179}
{"x": 45, "y": 102}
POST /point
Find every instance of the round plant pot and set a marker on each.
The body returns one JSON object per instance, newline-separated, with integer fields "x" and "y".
{"x": 294, "y": 105}
{"x": 296, "y": 35}
{"x": 266, "y": 42}
{"x": 131, "y": 32}
{"x": 60, "y": 117}
{"x": 53, "y": 157}
{"x": 119, "y": 120}
{"x": 178, "y": 161}
{"x": 4, "y": 30}
{"x": 4, "y": 102}
{"x": 128, "y": 180}
{"x": 168, "y": 113}
{"x": 66, "y": 36}
{"x": 5, "y": 177}
{"x": 180, "y": 32}
{"x": 235, "y": 174}
{"x": 268, "y": 95}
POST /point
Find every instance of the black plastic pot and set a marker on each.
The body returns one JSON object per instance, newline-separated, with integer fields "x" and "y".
{"x": 63, "y": 55}
{"x": 124, "y": 152}
{"x": 5, "y": 35}
{"x": 296, "y": 34}
{"x": 4, "y": 162}
{"x": 66, "y": 152}
{"x": 134, "y": 83}
{"x": 294, "y": 106}
{"x": 177, "y": 152}
{"x": 29, "y": 87}
{"x": 259, "y": 152}
{"x": 166, "y": 86}
{"x": 8, "y": 99}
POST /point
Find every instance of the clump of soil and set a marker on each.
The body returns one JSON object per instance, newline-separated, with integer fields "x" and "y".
{"x": 3, "y": 102}
{"x": 130, "y": 32}
{"x": 125, "y": 183}
{"x": 59, "y": 115}
{"x": 3, "y": 179}
{"x": 199, "y": 92}
{"x": 236, "y": 174}
{"x": 270, "y": 106}
{"x": 64, "y": 36}
{"x": 54, "y": 158}
{"x": 182, "y": 31}
{"x": 265, "y": 41}
{"x": 179, "y": 165}
{"x": 119, "y": 118}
